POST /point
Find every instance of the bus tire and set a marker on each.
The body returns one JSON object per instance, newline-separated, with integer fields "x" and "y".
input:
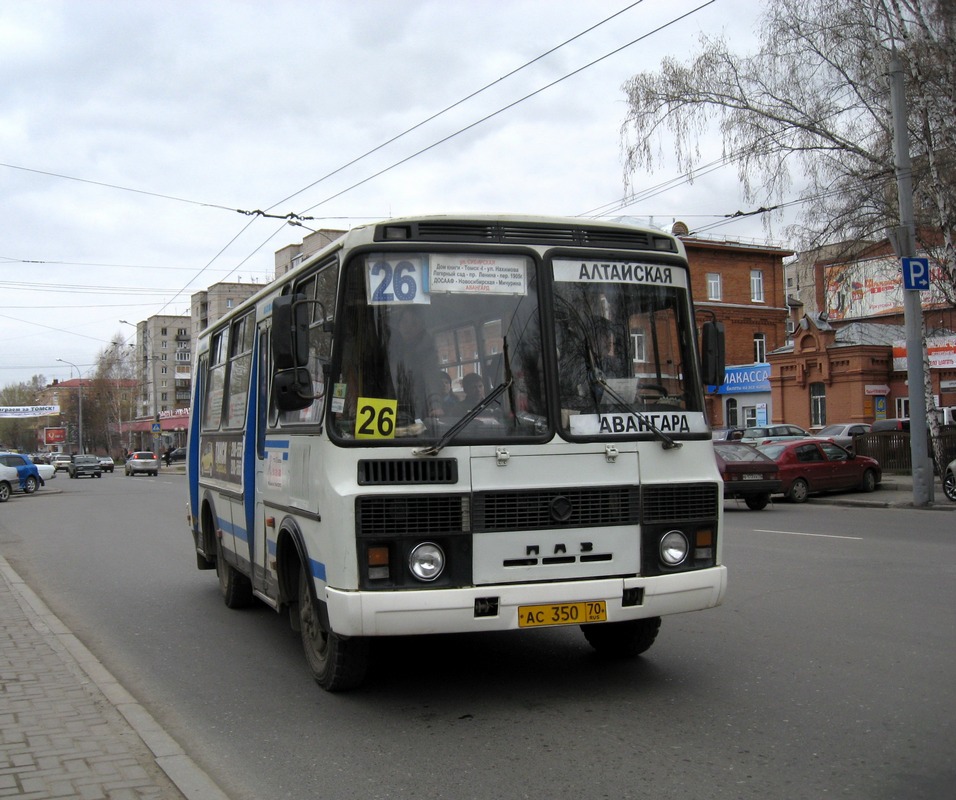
{"x": 622, "y": 639}
{"x": 236, "y": 588}
{"x": 336, "y": 663}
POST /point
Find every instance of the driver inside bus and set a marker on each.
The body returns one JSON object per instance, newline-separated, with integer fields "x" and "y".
{"x": 414, "y": 364}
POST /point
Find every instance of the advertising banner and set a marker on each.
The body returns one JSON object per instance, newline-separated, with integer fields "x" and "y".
{"x": 28, "y": 411}
{"x": 54, "y": 435}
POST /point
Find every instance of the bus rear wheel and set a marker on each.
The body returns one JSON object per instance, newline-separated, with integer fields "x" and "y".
{"x": 622, "y": 639}
{"x": 336, "y": 663}
{"x": 236, "y": 588}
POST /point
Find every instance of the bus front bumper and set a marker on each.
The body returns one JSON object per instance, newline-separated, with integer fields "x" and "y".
{"x": 466, "y": 610}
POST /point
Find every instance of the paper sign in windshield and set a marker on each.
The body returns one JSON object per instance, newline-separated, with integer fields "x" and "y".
{"x": 474, "y": 274}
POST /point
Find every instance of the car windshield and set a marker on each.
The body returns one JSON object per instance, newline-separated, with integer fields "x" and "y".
{"x": 773, "y": 451}
{"x": 754, "y": 433}
{"x": 738, "y": 452}
{"x": 831, "y": 430}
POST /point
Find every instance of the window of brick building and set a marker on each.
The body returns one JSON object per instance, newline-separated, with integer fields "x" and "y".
{"x": 818, "y": 404}
{"x": 713, "y": 286}
{"x": 732, "y": 413}
{"x": 760, "y": 348}
{"x": 756, "y": 285}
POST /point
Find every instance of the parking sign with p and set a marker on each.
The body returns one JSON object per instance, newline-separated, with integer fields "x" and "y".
{"x": 916, "y": 274}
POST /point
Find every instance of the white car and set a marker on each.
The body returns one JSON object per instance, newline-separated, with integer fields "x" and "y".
{"x": 19, "y": 473}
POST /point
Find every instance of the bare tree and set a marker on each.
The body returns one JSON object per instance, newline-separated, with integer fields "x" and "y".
{"x": 114, "y": 390}
{"x": 813, "y": 103}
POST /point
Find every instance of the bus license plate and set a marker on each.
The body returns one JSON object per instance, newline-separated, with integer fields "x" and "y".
{"x": 562, "y": 614}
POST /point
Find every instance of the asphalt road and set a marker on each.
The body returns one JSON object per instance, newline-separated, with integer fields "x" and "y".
{"x": 828, "y": 671}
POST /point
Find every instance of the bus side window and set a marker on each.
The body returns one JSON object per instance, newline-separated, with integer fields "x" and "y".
{"x": 216, "y": 385}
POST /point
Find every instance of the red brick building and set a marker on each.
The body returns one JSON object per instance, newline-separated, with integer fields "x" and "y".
{"x": 742, "y": 285}
{"x": 847, "y": 359}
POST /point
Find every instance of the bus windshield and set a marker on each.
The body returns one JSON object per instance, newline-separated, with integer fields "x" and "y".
{"x": 426, "y": 338}
{"x": 622, "y": 350}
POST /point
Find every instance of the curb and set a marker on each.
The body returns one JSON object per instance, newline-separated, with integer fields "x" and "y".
{"x": 187, "y": 776}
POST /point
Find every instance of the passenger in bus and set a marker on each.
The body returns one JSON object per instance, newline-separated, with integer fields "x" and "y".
{"x": 474, "y": 388}
{"x": 450, "y": 405}
{"x": 414, "y": 361}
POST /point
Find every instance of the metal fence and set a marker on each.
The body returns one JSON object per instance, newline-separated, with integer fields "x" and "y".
{"x": 892, "y": 448}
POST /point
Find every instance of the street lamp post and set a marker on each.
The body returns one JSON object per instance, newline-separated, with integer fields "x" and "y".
{"x": 80, "y": 390}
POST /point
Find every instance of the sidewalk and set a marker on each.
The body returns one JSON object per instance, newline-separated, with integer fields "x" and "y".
{"x": 67, "y": 728}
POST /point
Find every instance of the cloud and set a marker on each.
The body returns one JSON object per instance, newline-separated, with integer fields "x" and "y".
{"x": 242, "y": 104}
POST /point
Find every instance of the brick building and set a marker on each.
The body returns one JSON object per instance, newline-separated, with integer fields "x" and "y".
{"x": 847, "y": 359}
{"x": 742, "y": 285}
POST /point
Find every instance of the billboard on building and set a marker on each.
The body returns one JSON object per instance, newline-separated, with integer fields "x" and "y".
{"x": 871, "y": 287}
{"x": 54, "y": 435}
{"x": 940, "y": 349}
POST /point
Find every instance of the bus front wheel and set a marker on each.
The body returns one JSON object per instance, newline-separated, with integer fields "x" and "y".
{"x": 336, "y": 663}
{"x": 622, "y": 639}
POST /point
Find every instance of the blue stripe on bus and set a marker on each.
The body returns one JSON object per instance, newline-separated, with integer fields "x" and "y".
{"x": 249, "y": 453}
{"x": 233, "y": 530}
{"x": 318, "y": 569}
{"x": 278, "y": 444}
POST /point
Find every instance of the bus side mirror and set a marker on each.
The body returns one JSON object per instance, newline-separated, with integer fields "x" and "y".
{"x": 712, "y": 357}
{"x": 292, "y": 389}
{"x": 290, "y": 332}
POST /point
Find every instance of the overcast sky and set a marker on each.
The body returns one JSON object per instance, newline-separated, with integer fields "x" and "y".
{"x": 130, "y": 132}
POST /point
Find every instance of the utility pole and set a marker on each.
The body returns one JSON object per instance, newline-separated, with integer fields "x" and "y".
{"x": 912, "y": 301}
{"x": 79, "y": 379}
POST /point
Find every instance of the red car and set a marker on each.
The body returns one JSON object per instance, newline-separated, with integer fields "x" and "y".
{"x": 808, "y": 466}
{"x": 748, "y": 474}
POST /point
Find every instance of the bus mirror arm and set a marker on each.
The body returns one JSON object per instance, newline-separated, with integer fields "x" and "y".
{"x": 292, "y": 389}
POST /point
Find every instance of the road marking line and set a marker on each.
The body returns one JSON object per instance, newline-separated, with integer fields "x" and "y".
{"x": 818, "y": 535}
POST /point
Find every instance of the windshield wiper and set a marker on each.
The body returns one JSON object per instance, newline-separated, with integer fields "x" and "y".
{"x": 447, "y": 436}
{"x": 596, "y": 376}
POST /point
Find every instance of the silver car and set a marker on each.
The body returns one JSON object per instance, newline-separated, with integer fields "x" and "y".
{"x": 142, "y": 461}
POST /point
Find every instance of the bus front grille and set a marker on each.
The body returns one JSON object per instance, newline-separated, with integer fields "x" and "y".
{"x": 672, "y": 503}
{"x": 411, "y": 515}
{"x": 557, "y": 508}
{"x": 386, "y": 471}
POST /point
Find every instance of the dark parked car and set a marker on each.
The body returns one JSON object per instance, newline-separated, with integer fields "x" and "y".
{"x": 88, "y": 466}
{"x": 179, "y": 454}
{"x": 810, "y": 466}
{"x": 890, "y": 425}
{"x": 748, "y": 474}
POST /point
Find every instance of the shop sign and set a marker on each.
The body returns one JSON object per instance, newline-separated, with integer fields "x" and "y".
{"x": 744, "y": 379}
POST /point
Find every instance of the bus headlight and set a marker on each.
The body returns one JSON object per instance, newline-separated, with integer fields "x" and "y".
{"x": 674, "y": 548}
{"x": 426, "y": 561}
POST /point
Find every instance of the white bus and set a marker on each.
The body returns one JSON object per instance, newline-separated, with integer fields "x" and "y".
{"x": 453, "y": 424}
